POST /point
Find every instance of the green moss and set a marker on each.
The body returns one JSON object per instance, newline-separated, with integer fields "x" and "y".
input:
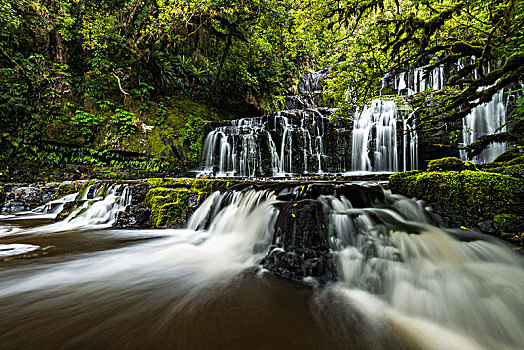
{"x": 169, "y": 182}
{"x": 2, "y": 195}
{"x": 516, "y": 170}
{"x": 518, "y": 160}
{"x": 450, "y": 164}
{"x": 84, "y": 188}
{"x": 510, "y": 154}
{"x": 169, "y": 198}
{"x": 199, "y": 109}
{"x": 195, "y": 185}
{"x": 509, "y": 222}
{"x": 65, "y": 213}
{"x": 168, "y": 206}
{"x": 468, "y": 196}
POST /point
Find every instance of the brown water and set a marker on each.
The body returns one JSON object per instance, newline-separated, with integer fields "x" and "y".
{"x": 81, "y": 287}
{"x": 140, "y": 307}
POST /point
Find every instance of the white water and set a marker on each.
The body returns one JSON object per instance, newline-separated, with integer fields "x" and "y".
{"x": 238, "y": 149}
{"x": 404, "y": 283}
{"x": 472, "y": 288}
{"x": 97, "y": 213}
{"x": 374, "y": 139}
{"x": 485, "y": 119}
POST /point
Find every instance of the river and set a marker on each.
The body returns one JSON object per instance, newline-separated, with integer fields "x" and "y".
{"x": 84, "y": 285}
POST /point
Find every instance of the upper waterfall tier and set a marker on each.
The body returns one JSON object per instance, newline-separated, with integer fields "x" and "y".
{"x": 485, "y": 119}
{"x": 279, "y": 144}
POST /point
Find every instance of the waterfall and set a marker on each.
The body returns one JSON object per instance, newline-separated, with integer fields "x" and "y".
{"x": 301, "y": 139}
{"x": 430, "y": 274}
{"x": 400, "y": 282}
{"x": 284, "y": 143}
{"x": 484, "y": 120}
{"x": 377, "y": 139}
{"x": 97, "y": 209}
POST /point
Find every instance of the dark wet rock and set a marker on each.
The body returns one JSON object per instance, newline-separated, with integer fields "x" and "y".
{"x": 23, "y": 197}
{"x": 488, "y": 226}
{"x": 134, "y": 216}
{"x": 66, "y": 210}
{"x": 139, "y": 192}
{"x": 300, "y": 243}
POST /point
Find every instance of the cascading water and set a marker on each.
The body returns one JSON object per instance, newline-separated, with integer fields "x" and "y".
{"x": 414, "y": 81}
{"x": 280, "y": 144}
{"x": 485, "y": 119}
{"x": 381, "y": 131}
{"x": 401, "y": 283}
{"x": 380, "y": 142}
{"x": 98, "y": 208}
{"x": 303, "y": 139}
{"x": 379, "y": 119}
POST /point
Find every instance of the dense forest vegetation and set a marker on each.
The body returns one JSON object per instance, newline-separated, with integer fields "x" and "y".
{"x": 132, "y": 83}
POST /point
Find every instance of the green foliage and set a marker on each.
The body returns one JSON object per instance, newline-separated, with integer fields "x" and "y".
{"x": 124, "y": 123}
{"x": 390, "y": 36}
{"x": 194, "y": 135}
{"x": 86, "y": 122}
{"x": 96, "y": 67}
{"x": 450, "y": 164}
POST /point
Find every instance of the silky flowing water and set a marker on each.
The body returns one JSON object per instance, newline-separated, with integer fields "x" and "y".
{"x": 404, "y": 283}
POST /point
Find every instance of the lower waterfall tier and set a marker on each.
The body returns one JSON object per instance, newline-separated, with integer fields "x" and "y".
{"x": 384, "y": 276}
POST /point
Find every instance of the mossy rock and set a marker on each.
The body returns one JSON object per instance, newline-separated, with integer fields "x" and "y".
{"x": 510, "y": 155}
{"x": 518, "y": 160}
{"x": 68, "y": 208}
{"x": 467, "y": 196}
{"x": 509, "y": 222}
{"x": 516, "y": 170}
{"x": 450, "y": 164}
{"x": 84, "y": 188}
{"x": 195, "y": 185}
{"x": 66, "y": 188}
{"x": 168, "y": 182}
{"x": 168, "y": 206}
{"x": 173, "y": 200}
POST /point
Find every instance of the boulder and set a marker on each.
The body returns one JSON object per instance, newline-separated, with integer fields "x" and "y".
{"x": 300, "y": 243}
{"x": 134, "y": 216}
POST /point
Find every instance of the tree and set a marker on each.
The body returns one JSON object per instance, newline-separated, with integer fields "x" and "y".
{"x": 388, "y": 36}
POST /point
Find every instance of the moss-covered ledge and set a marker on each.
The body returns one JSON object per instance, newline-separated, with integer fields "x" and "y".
{"x": 173, "y": 200}
{"x": 493, "y": 202}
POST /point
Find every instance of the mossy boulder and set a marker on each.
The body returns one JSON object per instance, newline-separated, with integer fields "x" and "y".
{"x": 450, "y": 164}
{"x": 67, "y": 187}
{"x": 468, "y": 197}
{"x": 173, "y": 200}
{"x": 510, "y": 154}
{"x": 509, "y": 222}
{"x": 168, "y": 206}
{"x": 68, "y": 208}
{"x": 516, "y": 170}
